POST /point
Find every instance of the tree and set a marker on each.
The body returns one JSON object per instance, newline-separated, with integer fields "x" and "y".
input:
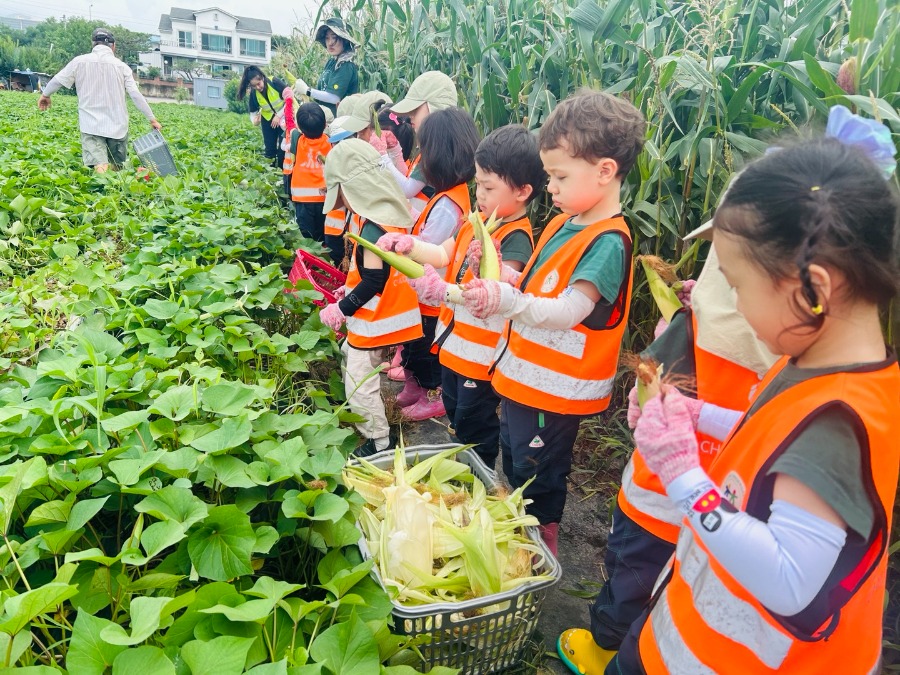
{"x": 234, "y": 105}
{"x": 190, "y": 69}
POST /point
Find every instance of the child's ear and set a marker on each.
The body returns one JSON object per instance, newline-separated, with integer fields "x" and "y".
{"x": 607, "y": 170}
{"x": 823, "y": 283}
{"x": 523, "y": 193}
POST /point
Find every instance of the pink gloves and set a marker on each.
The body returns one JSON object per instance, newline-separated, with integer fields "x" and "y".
{"x": 684, "y": 294}
{"x": 389, "y": 139}
{"x": 332, "y": 316}
{"x": 666, "y": 438}
{"x": 378, "y": 143}
{"x": 339, "y": 293}
{"x": 482, "y": 297}
{"x": 396, "y": 242}
{"x": 693, "y": 405}
{"x": 473, "y": 254}
{"x": 430, "y": 288}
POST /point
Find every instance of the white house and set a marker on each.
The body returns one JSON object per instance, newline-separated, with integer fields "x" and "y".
{"x": 212, "y": 37}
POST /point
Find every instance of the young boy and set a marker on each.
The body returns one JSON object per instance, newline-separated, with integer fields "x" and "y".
{"x": 308, "y": 179}
{"x": 568, "y": 309}
{"x": 508, "y": 176}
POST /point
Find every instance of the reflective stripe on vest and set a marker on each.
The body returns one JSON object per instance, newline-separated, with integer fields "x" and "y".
{"x": 389, "y": 318}
{"x": 287, "y": 166}
{"x": 460, "y": 196}
{"x": 308, "y": 176}
{"x": 702, "y": 614}
{"x": 269, "y": 108}
{"x": 470, "y": 348}
{"x": 720, "y": 382}
{"x": 569, "y": 372}
{"x": 335, "y": 221}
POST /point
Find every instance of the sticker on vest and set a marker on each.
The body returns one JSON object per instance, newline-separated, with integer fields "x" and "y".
{"x": 550, "y": 282}
{"x": 711, "y": 521}
{"x": 470, "y": 384}
{"x": 536, "y": 442}
{"x": 734, "y": 489}
{"x": 707, "y": 502}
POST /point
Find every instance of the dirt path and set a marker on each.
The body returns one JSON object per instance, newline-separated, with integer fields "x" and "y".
{"x": 582, "y": 542}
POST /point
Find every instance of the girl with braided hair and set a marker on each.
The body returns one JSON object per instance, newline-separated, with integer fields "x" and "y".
{"x": 782, "y": 554}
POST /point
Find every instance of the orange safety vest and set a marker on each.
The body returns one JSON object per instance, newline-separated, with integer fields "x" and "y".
{"x": 468, "y": 344}
{"x": 287, "y": 166}
{"x": 308, "y": 176}
{"x": 643, "y": 497}
{"x": 460, "y": 196}
{"x": 570, "y": 372}
{"x": 336, "y": 222}
{"x": 420, "y": 201}
{"x": 704, "y": 621}
{"x": 390, "y": 317}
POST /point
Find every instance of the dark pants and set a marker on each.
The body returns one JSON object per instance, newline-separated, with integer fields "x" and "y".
{"x": 310, "y": 219}
{"x": 627, "y": 660}
{"x": 472, "y": 409}
{"x": 417, "y": 356}
{"x": 335, "y": 245}
{"x": 536, "y": 443}
{"x": 286, "y": 183}
{"x": 634, "y": 559}
{"x": 272, "y": 143}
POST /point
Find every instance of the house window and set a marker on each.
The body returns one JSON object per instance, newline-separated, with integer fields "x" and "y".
{"x": 215, "y": 43}
{"x": 214, "y": 92}
{"x": 255, "y": 48}
{"x": 186, "y": 39}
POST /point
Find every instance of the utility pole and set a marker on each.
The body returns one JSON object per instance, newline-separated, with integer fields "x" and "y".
{"x": 91, "y": 12}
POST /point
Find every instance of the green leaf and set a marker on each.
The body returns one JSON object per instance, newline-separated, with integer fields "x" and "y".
{"x": 145, "y": 614}
{"x": 347, "y": 648}
{"x": 176, "y": 403}
{"x": 230, "y": 398}
{"x": 143, "y": 660}
{"x": 125, "y": 421}
{"x": 233, "y": 432}
{"x": 174, "y": 503}
{"x": 161, "y": 309}
{"x": 224, "y": 655}
{"x": 277, "y": 668}
{"x": 863, "y": 19}
{"x": 220, "y": 547}
{"x": 89, "y": 654}
{"x": 160, "y": 536}
{"x": 83, "y": 511}
{"x": 19, "y": 610}
{"x": 20, "y": 642}
{"x": 10, "y": 491}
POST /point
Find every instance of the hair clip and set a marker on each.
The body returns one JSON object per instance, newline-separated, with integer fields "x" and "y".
{"x": 815, "y": 188}
{"x": 818, "y": 309}
{"x": 393, "y": 118}
{"x": 870, "y": 136}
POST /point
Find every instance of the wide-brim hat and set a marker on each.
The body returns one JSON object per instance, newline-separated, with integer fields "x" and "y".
{"x": 355, "y": 168}
{"x": 702, "y": 232}
{"x": 337, "y": 27}
{"x": 362, "y": 109}
{"x": 434, "y": 88}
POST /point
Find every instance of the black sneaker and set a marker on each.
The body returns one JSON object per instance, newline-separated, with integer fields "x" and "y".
{"x": 368, "y": 448}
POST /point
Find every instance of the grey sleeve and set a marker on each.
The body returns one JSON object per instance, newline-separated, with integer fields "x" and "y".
{"x": 826, "y": 457}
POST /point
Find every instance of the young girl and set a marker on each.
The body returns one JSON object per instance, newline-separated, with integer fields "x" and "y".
{"x": 379, "y": 307}
{"x": 447, "y": 141}
{"x": 780, "y": 564}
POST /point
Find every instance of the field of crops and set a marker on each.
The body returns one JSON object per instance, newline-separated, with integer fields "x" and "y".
{"x": 169, "y": 497}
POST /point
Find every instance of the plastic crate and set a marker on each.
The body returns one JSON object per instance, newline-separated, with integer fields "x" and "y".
{"x": 154, "y": 153}
{"x": 479, "y": 636}
{"x": 324, "y": 278}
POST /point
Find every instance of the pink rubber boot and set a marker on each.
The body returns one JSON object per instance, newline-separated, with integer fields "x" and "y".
{"x": 550, "y": 535}
{"x": 411, "y": 393}
{"x": 429, "y": 405}
{"x": 396, "y": 372}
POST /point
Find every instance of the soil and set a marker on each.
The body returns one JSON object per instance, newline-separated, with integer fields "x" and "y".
{"x": 582, "y": 544}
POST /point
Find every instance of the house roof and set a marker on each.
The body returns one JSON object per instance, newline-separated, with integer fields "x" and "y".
{"x": 17, "y": 23}
{"x": 243, "y": 22}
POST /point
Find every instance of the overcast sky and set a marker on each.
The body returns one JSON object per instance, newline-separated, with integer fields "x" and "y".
{"x": 143, "y": 15}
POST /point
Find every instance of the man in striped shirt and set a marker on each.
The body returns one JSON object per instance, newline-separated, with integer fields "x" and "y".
{"x": 101, "y": 81}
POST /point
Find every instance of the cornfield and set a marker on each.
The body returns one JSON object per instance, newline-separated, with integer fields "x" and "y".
{"x": 718, "y": 81}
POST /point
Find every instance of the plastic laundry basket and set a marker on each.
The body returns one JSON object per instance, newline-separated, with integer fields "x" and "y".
{"x": 155, "y": 154}
{"x": 483, "y": 635}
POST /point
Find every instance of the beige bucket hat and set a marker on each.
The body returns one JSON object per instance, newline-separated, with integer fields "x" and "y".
{"x": 432, "y": 87}
{"x": 355, "y": 168}
{"x": 360, "y": 114}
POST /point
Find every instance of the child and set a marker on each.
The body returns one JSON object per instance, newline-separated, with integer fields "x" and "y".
{"x": 781, "y": 561}
{"x": 447, "y": 140}
{"x": 308, "y": 146}
{"x": 379, "y": 307}
{"x": 711, "y": 346}
{"x": 508, "y": 176}
{"x": 336, "y": 220}
{"x": 430, "y": 92}
{"x": 569, "y": 307}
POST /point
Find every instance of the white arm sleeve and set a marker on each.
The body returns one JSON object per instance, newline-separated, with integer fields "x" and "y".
{"x": 324, "y": 96}
{"x": 435, "y": 255}
{"x": 565, "y": 311}
{"x": 396, "y": 155}
{"x": 443, "y": 222}
{"x": 784, "y": 563}
{"x": 410, "y": 186}
{"x": 716, "y": 421}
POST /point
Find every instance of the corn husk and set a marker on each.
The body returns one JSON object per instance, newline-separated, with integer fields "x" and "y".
{"x": 662, "y": 293}
{"x": 490, "y": 262}
{"x": 401, "y": 263}
{"x": 649, "y": 381}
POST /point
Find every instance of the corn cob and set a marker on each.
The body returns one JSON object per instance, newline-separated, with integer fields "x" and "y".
{"x": 401, "y": 263}
{"x": 648, "y": 381}
{"x": 664, "y": 295}
{"x": 490, "y": 264}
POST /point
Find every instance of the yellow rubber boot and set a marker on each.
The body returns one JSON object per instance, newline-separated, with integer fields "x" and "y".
{"x": 581, "y": 654}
